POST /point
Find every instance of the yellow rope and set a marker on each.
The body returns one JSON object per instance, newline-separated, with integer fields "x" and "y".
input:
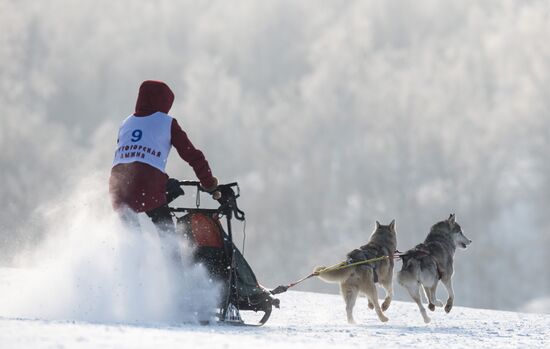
{"x": 341, "y": 265}
{"x": 344, "y": 265}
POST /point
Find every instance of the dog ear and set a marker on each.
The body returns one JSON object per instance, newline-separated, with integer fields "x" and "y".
{"x": 392, "y": 225}
{"x": 452, "y": 219}
{"x": 377, "y": 224}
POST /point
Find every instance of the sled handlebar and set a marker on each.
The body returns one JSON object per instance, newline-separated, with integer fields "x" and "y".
{"x": 227, "y": 200}
{"x": 199, "y": 186}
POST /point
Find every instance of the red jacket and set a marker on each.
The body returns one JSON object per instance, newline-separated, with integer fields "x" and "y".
{"x": 140, "y": 186}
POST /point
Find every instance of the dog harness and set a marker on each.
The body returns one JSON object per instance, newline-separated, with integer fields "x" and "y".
{"x": 368, "y": 252}
{"x": 422, "y": 250}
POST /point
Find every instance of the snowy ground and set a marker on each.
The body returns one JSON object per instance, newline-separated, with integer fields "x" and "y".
{"x": 305, "y": 320}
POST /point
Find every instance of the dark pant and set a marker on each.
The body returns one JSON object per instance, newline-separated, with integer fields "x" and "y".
{"x": 162, "y": 219}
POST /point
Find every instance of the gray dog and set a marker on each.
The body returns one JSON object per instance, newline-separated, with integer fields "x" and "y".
{"x": 363, "y": 278}
{"x": 432, "y": 261}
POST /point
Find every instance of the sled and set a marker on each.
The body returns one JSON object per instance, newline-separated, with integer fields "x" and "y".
{"x": 214, "y": 248}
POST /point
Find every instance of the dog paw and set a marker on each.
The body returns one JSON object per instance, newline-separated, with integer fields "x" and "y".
{"x": 386, "y": 305}
{"x": 431, "y": 306}
{"x": 427, "y": 319}
{"x": 383, "y": 318}
{"x": 371, "y": 306}
{"x": 448, "y": 307}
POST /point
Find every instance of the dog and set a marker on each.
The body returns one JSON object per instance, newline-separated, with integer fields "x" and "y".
{"x": 363, "y": 278}
{"x": 431, "y": 261}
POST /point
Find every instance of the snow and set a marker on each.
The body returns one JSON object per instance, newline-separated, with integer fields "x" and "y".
{"x": 305, "y": 320}
{"x": 121, "y": 289}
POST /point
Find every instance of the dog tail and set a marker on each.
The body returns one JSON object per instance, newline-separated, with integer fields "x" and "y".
{"x": 333, "y": 276}
{"x": 408, "y": 261}
{"x": 407, "y": 273}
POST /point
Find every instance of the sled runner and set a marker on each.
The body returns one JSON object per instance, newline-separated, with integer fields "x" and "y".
{"x": 214, "y": 248}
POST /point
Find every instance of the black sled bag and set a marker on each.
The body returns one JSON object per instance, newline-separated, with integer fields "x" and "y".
{"x": 212, "y": 248}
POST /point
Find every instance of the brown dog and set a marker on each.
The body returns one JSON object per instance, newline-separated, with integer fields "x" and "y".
{"x": 363, "y": 278}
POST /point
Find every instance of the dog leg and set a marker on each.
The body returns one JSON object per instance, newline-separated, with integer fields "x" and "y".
{"x": 434, "y": 300}
{"x": 449, "y": 286}
{"x": 414, "y": 292}
{"x": 350, "y": 294}
{"x": 423, "y": 294}
{"x": 431, "y": 294}
{"x": 372, "y": 295}
{"x": 388, "y": 287}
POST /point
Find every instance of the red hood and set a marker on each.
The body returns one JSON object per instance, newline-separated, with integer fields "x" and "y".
{"x": 153, "y": 96}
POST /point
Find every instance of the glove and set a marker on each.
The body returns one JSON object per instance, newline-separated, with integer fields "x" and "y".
{"x": 173, "y": 189}
{"x": 216, "y": 194}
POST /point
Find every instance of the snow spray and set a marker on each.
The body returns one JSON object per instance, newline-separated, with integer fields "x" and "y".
{"x": 90, "y": 267}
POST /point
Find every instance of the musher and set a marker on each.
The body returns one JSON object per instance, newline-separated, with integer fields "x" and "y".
{"x": 138, "y": 181}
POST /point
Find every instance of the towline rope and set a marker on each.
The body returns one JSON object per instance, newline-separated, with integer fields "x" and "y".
{"x": 338, "y": 266}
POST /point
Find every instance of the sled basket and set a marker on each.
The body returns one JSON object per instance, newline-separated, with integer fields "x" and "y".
{"x": 213, "y": 248}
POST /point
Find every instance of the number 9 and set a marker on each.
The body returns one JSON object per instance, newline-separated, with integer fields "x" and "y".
{"x": 136, "y": 135}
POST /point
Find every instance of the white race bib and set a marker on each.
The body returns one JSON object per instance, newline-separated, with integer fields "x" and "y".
{"x": 145, "y": 139}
